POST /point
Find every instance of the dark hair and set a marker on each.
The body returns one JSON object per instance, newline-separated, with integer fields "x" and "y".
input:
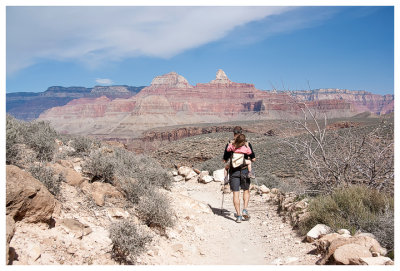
{"x": 240, "y": 140}
{"x": 237, "y": 130}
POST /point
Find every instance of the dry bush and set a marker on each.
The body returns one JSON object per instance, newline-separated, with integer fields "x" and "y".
{"x": 128, "y": 241}
{"x": 82, "y": 145}
{"x": 354, "y": 155}
{"x": 100, "y": 166}
{"x": 47, "y": 176}
{"x": 356, "y": 208}
{"x": 39, "y": 136}
{"x": 155, "y": 211}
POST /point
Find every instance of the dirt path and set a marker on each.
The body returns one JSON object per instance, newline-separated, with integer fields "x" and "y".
{"x": 204, "y": 235}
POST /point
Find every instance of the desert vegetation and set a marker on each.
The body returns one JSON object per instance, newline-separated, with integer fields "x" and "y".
{"x": 33, "y": 146}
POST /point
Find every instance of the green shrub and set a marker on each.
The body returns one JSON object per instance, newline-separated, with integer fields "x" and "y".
{"x": 128, "y": 241}
{"x": 354, "y": 208}
{"x": 155, "y": 210}
{"x": 47, "y": 176}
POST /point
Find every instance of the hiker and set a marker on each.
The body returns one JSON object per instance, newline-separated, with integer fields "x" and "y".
{"x": 239, "y": 145}
{"x": 238, "y": 178}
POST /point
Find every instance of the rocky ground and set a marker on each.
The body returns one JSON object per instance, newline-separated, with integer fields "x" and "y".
{"x": 205, "y": 235}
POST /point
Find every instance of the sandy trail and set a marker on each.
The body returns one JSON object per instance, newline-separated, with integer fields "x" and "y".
{"x": 205, "y": 235}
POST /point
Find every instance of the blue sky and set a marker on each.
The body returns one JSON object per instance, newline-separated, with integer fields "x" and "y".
{"x": 271, "y": 47}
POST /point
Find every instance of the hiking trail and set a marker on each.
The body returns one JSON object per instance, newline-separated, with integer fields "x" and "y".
{"x": 202, "y": 235}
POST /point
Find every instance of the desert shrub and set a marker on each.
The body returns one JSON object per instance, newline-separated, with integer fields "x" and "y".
{"x": 47, "y": 176}
{"x": 40, "y": 136}
{"x": 100, "y": 166}
{"x": 140, "y": 167}
{"x": 357, "y": 208}
{"x": 83, "y": 145}
{"x": 128, "y": 241}
{"x": 155, "y": 210}
{"x": 14, "y": 136}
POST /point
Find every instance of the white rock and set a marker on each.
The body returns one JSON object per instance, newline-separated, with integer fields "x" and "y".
{"x": 206, "y": 179}
{"x": 344, "y": 231}
{"x": 191, "y": 175}
{"x": 219, "y": 175}
{"x": 264, "y": 189}
{"x": 174, "y": 173}
{"x": 177, "y": 178}
{"x": 184, "y": 171}
{"x": 78, "y": 169}
{"x": 317, "y": 231}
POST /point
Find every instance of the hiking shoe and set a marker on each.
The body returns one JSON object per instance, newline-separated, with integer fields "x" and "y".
{"x": 239, "y": 219}
{"x": 245, "y": 214}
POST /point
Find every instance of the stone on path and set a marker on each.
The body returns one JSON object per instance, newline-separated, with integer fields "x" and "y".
{"x": 345, "y": 253}
{"x": 219, "y": 175}
{"x": 317, "y": 231}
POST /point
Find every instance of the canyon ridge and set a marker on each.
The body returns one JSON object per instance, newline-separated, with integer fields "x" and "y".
{"x": 171, "y": 101}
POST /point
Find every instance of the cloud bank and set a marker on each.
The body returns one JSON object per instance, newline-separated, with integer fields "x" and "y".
{"x": 95, "y": 35}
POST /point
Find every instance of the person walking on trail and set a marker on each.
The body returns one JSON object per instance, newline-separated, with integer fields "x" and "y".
{"x": 238, "y": 178}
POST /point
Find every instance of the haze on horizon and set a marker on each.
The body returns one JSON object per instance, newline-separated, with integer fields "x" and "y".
{"x": 283, "y": 47}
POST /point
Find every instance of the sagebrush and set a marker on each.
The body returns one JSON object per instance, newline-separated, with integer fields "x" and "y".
{"x": 129, "y": 240}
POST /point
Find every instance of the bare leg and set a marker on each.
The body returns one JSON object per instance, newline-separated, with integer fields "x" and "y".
{"x": 236, "y": 202}
{"x": 246, "y": 198}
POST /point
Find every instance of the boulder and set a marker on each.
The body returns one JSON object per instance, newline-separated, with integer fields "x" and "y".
{"x": 317, "y": 231}
{"x": 184, "y": 171}
{"x": 380, "y": 260}
{"x": 72, "y": 177}
{"x": 100, "y": 190}
{"x": 204, "y": 177}
{"x": 27, "y": 199}
{"x": 325, "y": 241}
{"x": 191, "y": 176}
{"x": 345, "y": 253}
{"x": 264, "y": 189}
{"x": 219, "y": 175}
{"x": 366, "y": 241}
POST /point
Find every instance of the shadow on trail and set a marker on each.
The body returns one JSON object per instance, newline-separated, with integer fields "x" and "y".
{"x": 221, "y": 212}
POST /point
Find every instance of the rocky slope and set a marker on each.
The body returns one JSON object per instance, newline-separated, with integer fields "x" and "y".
{"x": 171, "y": 100}
{"x": 28, "y": 105}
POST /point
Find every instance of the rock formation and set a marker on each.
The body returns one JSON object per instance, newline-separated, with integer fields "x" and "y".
{"x": 171, "y": 100}
{"x": 28, "y": 106}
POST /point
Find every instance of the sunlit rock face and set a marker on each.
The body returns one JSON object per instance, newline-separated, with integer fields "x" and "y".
{"x": 172, "y": 100}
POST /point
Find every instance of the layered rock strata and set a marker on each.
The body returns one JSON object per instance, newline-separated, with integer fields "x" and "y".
{"x": 171, "y": 100}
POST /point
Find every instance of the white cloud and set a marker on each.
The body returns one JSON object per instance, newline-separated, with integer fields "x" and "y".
{"x": 104, "y": 81}
{"x": 95, "y": 35}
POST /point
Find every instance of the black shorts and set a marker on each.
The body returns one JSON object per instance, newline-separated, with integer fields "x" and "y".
{"x": 236, "y": 183}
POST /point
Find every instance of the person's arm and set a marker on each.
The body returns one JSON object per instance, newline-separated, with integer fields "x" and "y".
{"x": 226, "y": 154}
{"x": 252, "y": 156}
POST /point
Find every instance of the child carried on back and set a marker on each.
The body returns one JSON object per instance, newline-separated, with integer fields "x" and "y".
{"x": 239, "y": 146}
